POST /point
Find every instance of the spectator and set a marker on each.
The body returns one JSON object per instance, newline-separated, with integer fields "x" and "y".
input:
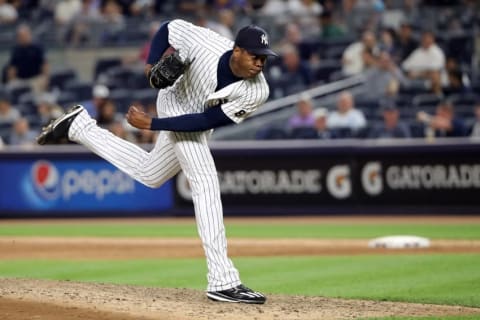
{"x": 100, "y": 94}
{"x": 22, "y": 135}
{"x": 391, "y": 127}
{"x": 66, "y": 10}
{"x": 426, "y": 62}
{"x": 276, "y": 10}
{"x": 113, "y": 22}
{"x": 8, "y": 13}
{"x": 79, "y": 32}
{"x": 388, "y": 41}
{"x": 452, "y": 76}
{"x": 475, "y": 130}
{"x": 107, "y": 114}
{"x": 47, "y": 108}
{"x": 304, "y": 116}
{"x": 305, "y": 12}
{"x": 346, "y": 116}
{"x": 321, "y": 115}
{"x": 142, "y": 55}
{"x": 330, "y": 29}
{"x": 406, "y": 42}
{"x": 27, "y": 62}
{"x": 384, "y": 79}
{"x": 8, "y": 115}
{"x": 360, "y": 55}
{"x": 444, "y": 123}
{"x": 296, "y": 74}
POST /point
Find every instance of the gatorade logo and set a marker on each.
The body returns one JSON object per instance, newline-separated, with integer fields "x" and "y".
{"x": 372, "y": 181}
{"x": 339, "y": 184}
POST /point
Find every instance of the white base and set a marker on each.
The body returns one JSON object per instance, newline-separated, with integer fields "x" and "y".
{"x": 399, "y": 242}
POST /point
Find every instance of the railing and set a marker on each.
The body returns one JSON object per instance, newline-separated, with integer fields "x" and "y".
{"x": 268, "y": 109}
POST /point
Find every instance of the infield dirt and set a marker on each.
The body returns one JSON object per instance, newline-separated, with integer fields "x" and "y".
{"x": 26, "y": 299}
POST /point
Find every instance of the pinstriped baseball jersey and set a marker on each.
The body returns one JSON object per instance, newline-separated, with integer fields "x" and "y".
{"x": 195, "y": 90}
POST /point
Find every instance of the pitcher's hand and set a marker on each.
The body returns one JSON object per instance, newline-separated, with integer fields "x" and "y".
{"x": 138, "y": 118}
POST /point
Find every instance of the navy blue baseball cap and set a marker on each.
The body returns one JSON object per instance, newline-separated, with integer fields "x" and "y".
{"x": 255, "y": 40}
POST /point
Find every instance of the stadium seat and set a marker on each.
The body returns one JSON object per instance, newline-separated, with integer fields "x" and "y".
{"x": 102, "y": 65}
{"x": 81, "y": 89}
{"x": 15, "y": 93}
{"x": 303, "y": 133}
{"x": 422, "y": 100}
{"x": 271, "y": 133}
{"x": 59, "y": 78}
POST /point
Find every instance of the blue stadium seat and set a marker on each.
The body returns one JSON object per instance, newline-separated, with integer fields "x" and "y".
{"x": 59, "y": 78}
{"x": 102, "y": 65}
{"x": 271, "y": 133}
{"x": 303, "y": 133}
{"x": 81, "y": 89}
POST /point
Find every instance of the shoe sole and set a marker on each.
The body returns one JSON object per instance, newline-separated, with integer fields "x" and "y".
{"x": 42, "y": 138}
{"x": 222, "y": 298}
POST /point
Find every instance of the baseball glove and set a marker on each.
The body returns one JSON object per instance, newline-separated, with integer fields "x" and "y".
{"x": 167, "y": 70}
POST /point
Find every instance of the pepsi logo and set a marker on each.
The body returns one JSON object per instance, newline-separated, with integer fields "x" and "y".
{"x": 45, "y": 178}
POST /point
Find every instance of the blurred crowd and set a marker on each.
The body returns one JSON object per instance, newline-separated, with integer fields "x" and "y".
{"x": 417, "y": 56}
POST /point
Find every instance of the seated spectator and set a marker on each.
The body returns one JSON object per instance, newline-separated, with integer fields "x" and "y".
{"x": 21, "y": 134}
{"x": 8, "y": 115}
{"x": 66, "y": 10}
{"x": 107, "y": 114}
{"x": 27, "y": 62}
{"x": 391, "y": 126}
{"x": 100, "y": 94}
{"x": 8, "y": 13}
{"x": 444, "y": 123}
{"x": 306, "y": 13}
{"x": 475, "y": 130}
{"x": 330, "y": 28}
{"x": 360, "y": 55}
{"x": 405, "y": 42}
{"x": 303, "y": 117}
{"x": 384, "y": 79}
{"x": 388, "y": 41}
{"x": 295, "y": 74}
{"x": 452, "y": 76}
{"x": 47, "y": 109}
{"x": 346, "y": 116}
{"x": 321, "y": 115}
{"x": 426, "y": 62}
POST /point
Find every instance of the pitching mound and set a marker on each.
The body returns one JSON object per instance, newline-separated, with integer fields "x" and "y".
{"x": 55, "y": 300}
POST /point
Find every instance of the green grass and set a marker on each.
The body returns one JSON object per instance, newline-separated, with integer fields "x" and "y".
{"x": 353, "y": 231}
{"x": 439, "y": 279}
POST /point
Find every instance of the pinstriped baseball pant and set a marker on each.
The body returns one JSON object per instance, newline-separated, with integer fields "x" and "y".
{"x": 173, "y": 151}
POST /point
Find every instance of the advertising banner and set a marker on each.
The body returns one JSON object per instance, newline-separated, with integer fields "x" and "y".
{"x": 336, "y": 177}
{"x": 61, "y": 185}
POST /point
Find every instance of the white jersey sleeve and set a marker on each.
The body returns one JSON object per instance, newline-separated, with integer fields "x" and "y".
{"x": 249, "y": 96}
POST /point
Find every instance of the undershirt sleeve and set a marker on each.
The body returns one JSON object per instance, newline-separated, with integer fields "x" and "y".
{"x": 210, "y": 119}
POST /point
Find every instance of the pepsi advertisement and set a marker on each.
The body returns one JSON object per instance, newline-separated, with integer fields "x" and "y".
{"x": 49, "y": 186}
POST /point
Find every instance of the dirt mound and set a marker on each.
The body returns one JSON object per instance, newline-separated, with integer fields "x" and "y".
{"x": 22, "y": 299}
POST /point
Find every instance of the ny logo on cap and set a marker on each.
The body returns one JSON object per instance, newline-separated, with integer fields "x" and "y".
{"x": 264, "y": 39}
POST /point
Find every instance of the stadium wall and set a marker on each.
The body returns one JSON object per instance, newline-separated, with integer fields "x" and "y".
{"x": 261, "y": 178}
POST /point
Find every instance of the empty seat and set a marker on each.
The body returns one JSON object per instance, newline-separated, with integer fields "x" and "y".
{"x": 59, "y": 78}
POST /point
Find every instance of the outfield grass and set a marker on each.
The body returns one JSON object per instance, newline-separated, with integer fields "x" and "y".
{"x": 439, "y": 279}
{"x": 331, "y": 231}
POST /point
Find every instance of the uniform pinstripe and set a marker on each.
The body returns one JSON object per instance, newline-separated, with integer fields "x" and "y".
{"x": 187, "y": 151}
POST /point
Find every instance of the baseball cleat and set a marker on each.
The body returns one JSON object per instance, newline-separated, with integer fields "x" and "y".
{"x": 58, "y": 129}
{"x": 238, "y": 294}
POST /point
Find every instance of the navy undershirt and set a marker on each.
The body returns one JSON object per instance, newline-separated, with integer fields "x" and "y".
{"x": 213, "y": 117}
